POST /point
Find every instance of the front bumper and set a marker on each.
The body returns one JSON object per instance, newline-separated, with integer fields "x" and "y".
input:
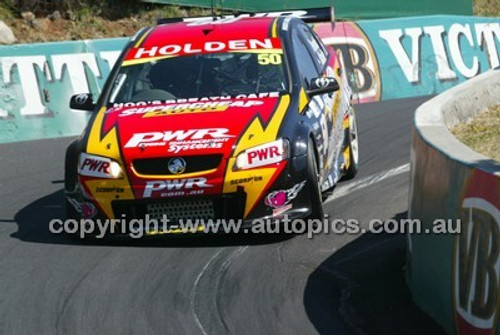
{"x": 224, "y": 206}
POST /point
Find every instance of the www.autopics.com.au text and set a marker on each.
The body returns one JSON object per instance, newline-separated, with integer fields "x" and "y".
{"x": 138, "y": 228}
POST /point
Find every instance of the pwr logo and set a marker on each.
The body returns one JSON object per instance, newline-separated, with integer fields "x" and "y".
{"x": 93, "y": 166}
{"x": 162, "y": 138}
{"x": 177, "y": 187}
{"x": 261, "y": 155}
{"x": 476, "y": 274}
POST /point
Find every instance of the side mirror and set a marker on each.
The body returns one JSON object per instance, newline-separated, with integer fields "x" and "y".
{"x": 323, "y": 85}
{"x": 82, "y": 101}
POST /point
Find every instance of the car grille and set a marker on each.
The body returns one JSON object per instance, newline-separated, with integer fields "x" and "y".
{"x": 202, "y": 209}
{"x": 225, "y": 206}
{"x": 159, "y": 165}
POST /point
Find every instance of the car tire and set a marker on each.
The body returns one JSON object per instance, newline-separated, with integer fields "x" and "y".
{"x": 313, "y": 181}
{"x": 353, "y": 146}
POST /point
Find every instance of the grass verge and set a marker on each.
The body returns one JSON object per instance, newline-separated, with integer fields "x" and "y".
{"x": 487, "y": 7}
{"x": 482, "y": 134}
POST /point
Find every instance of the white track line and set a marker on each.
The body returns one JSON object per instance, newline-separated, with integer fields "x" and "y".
{"x": 365, "y": 182}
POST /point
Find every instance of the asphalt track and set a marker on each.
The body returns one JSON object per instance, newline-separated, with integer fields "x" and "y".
{"x": 331, "y": 284}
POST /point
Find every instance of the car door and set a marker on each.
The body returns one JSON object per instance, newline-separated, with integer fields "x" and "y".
{"x": 313, "y": 63}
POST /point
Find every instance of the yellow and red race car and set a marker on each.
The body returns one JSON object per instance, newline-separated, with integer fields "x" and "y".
{"x": 243, "y": 117}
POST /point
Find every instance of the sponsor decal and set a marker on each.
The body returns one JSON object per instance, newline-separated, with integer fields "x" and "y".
{"x": 476, "y": 268}
{"x": 176, "y": 147}
{"x": 193, "y": 21}
{"x": 261, "y": 155}
{"x": 195, "y": 100}
{"x": 176, "y": 187}
{"x": 181, "y": 139}
{"x": 324, "y": 82}
{"x": 177, "y": 165}
{"x": 113, "y": 189}
{"x": 86, "y": 209}
{"x": 197, "y": 47}
{"x": 96, "y": 166}
{"x": 189, "y": 108}
{"x": 269, "y": 59}
{"x": 264, "y": 155}
{"x": 281, "y": 198}
{"x": 245, "y": 180}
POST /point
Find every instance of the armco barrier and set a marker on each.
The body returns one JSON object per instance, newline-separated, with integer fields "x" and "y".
{"x": 456, "y": 277}
{"x": 385, "y": 59}
{"x": 344, "y": 9}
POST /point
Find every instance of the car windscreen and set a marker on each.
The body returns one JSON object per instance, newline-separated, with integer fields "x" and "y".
{"x": 202, "y": 75}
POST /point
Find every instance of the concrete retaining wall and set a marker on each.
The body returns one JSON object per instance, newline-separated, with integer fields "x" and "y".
{"x": 454, "y": 264}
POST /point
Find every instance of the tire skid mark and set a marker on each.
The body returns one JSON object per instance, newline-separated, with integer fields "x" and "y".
{"x": 204, "y": 296}
{"x": 195, "y": 288}
{"x": 74, "y": 290}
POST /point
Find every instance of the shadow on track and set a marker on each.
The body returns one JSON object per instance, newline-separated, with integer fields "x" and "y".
{"x": 361, "y": 289}
{"x": 33, "y": 226}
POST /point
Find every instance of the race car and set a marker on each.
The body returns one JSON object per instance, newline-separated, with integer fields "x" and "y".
{"x": 242, "y": 117}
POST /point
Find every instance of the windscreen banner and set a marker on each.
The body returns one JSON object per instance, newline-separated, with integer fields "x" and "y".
{"x": 383, "y": 59}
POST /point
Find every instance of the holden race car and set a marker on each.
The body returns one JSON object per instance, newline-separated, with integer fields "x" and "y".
{"x": 241, "y": 117}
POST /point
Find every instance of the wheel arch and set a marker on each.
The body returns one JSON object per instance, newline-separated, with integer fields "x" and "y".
{"x": 316, "y": 152}
{"x": 71, "y": 166}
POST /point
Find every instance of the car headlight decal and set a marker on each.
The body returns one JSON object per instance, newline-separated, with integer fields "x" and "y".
{"x": 99, "y": 167}
{"x": 263, "y": 155}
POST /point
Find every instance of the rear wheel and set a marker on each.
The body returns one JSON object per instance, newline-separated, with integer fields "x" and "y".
{"x": 353, "y": 147}
{"x": 313, "y": 181}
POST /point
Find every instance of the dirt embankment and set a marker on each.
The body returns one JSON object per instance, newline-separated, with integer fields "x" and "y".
{"x": 87, "y": 22}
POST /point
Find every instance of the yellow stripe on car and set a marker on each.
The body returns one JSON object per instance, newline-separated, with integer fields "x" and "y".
{"x": 107, "y": 146}
{"x": 256, "y": 135}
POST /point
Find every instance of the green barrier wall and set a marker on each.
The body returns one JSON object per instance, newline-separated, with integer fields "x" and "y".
{"x": 385, "y": 59}
{"x": 37, "y": 81}
{"x": 345, "y": 9}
